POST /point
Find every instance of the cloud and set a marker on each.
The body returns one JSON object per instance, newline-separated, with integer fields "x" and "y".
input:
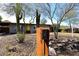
{"x": 13, "y": 19}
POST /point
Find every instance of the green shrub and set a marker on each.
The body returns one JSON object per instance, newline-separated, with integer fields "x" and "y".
{"x": 63, "y": 30}
{"x": 20, "y": 38}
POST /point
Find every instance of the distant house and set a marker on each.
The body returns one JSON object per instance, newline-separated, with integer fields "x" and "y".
{"x": 8, "y": 27}
{"x": 4, "y": 26}
{"x": 64, "y": 29}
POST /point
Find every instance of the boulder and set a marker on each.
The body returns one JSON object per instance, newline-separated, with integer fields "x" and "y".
{"x": 59, "y": 45}
{"x": 62, "y": 48}
{"x": 50, "y": 43}
{"x": 52, "y": 52}
{"x": 69, "y": 47}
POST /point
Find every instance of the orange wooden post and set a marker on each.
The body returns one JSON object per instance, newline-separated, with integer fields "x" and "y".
{"x": 42, "y": 44}
{"x": 39, "y": 48}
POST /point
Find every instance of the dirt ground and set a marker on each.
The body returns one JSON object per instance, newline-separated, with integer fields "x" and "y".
{"x": 25, "y": 49}
{"x": 8, "y": 42}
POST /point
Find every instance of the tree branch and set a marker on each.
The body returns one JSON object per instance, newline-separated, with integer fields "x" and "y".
{"x": 65, "y": 14}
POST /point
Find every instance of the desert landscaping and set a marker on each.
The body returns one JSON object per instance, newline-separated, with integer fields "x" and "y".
{"x": 39, "y": 29}
{"x": 62, "y": 46}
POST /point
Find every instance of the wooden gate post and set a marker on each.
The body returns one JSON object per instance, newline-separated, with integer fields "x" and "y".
{"x": 42, "y": 41}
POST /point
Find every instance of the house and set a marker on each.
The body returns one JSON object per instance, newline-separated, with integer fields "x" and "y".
{"x": 8, "y": 27}
{"x": 4, "y": 27}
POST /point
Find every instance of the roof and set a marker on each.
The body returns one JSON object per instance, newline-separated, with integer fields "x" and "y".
{"x": 6, "y": 21}
{"x": 64, "y": 27}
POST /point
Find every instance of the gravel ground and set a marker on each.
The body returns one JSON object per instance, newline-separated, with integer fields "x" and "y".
{"x": 27, "y": 48}
{"x": 24, "y": 49}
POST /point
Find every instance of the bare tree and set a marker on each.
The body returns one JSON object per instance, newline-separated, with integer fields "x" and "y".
{"x": 58, "y": 12}
{"x": 64, "y": 15}
{"x": 43, "y": 21}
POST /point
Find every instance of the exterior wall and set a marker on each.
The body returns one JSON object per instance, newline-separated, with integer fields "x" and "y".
{"x": 12, "y": 28}
{"x": 22, "y": 27}
{"x": 4, "y": 28}
{"x": 33, "y": 27}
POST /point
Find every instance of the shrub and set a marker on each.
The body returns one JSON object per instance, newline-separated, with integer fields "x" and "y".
{"x": 63, "y": 30}
{"x": 20, "y": 38}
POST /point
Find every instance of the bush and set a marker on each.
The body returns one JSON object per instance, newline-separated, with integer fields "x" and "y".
{"x": 63, "y": 30}
{"x": 20, "y": 38}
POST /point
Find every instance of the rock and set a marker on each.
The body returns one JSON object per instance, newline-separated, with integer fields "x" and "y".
{"x": 74, "y": 46}
{"x": 52, "y": 52}
{"x": 58, "y": 52}
{"x": 64, "y": 40}
{"x": 12, "y": 49}
{"x": 77, "y": 47}
{"x": 62, "y": 48}
{"x": 69, "y": 47}
{"x": 50, "y": 43}
{"x": 59, "y": 45}
{"x": 50, "y": 39}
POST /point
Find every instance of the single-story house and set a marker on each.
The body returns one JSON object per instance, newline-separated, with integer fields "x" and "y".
{"x": 8, "y": 27}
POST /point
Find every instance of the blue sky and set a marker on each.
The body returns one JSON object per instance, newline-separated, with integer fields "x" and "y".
{"x": 13, "y": 19}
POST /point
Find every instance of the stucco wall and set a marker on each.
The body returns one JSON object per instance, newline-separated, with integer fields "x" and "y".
{"x": 12, "y": 28}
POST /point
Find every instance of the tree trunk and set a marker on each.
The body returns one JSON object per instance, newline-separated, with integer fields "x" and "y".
{"x": 56, "y": 31}
{"x": 56, "y": 35}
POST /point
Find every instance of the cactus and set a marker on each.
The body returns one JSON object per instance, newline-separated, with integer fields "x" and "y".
{"x": 37, "y": 18}
{"x": 18, "y": 12}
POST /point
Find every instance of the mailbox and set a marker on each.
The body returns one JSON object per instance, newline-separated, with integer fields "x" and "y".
{"x": 45, "y": 34}
{"x": 45, "y": 37}
{"x": 42, "y": 39}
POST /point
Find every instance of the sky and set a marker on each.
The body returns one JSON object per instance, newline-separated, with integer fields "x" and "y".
{"x": 13, "y": 19}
